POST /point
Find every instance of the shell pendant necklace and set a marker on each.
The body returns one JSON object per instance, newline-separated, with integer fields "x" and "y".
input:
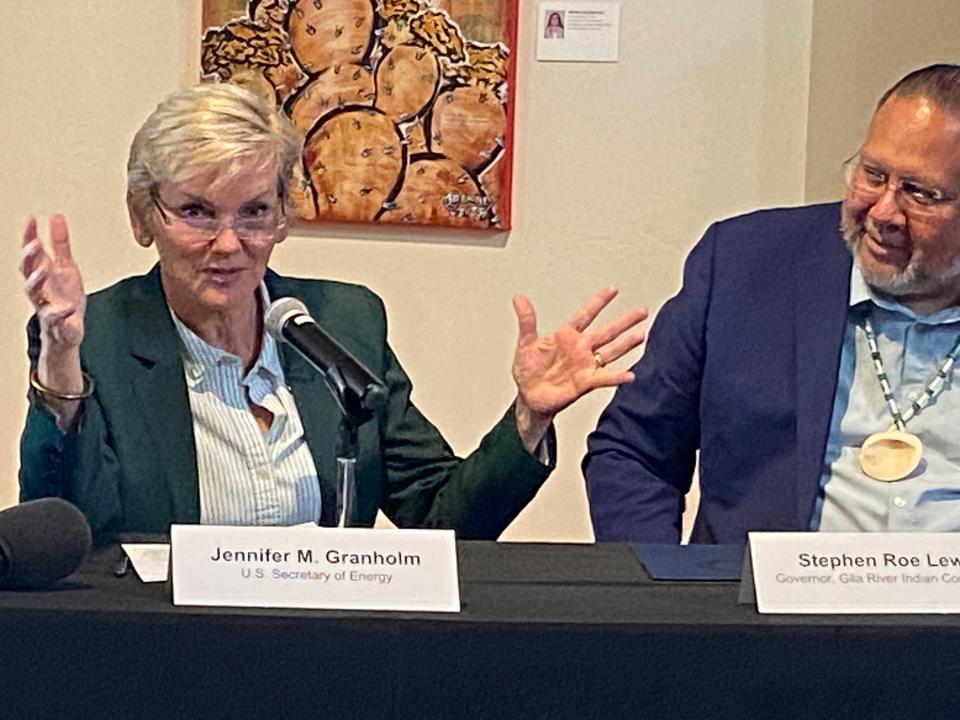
{"x": 894, "y": 454}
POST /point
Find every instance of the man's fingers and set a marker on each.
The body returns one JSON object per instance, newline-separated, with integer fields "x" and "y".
{"x": 526, "y": 319}
{"x": 590, "y": 309}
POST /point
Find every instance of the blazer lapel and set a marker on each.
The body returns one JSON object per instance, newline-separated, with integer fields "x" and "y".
{"x": 822, "y": 295}
{"x": 318, "y": 410}
{"x": 161, "y": 391}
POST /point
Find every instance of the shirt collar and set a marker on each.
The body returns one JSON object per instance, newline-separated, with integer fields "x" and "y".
{"x": 199, "y": 357}
{"x": 861, "y": 293}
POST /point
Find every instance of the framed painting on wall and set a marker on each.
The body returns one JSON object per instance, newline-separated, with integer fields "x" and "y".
{"x": 404, "y": 106}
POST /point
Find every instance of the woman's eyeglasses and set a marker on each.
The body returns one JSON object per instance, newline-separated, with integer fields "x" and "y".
{"x": 254, "y": 222}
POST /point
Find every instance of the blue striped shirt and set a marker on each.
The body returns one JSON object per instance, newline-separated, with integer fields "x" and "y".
{"x": 246, "y": 476}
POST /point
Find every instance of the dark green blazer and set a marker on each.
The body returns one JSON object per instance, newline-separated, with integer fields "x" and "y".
{"x": 131, "y": 464}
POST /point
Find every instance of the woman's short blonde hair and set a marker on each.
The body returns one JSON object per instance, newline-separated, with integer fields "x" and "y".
{"x": 208, "y": 128}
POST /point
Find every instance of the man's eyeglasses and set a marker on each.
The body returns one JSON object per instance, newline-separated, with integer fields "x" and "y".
{"x": 916, "y": 198}
{"x": 254, "y": 222}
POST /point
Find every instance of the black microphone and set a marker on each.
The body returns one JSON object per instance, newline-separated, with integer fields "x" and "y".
{"x": 358, "y": 391}
{"x": 41, "y": 542}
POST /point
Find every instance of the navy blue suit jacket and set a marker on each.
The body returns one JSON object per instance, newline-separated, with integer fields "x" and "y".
{"x": 740, "y": 365}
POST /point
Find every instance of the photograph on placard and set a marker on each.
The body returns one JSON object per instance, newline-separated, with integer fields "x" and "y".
{"x": 553, "y": 24}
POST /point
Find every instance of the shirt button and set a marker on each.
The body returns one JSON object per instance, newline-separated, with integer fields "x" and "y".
{"x": 195, "y": 373}
{"x": 899, "y": 502}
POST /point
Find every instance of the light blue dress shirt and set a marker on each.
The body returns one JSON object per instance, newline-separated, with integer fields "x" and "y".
{"x": 912, "y": 348}
{"x": 246, "y": 476}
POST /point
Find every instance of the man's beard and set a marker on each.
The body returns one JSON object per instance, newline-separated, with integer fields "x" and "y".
{"x": 914, "y": 279}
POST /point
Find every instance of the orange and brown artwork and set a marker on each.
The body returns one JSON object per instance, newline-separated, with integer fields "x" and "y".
{"x": 403, "y": 105}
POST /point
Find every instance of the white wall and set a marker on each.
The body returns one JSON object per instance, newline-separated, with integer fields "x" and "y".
{"x": 619, "y": 168}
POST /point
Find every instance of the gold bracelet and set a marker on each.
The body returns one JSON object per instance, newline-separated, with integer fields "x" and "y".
{"x": 88, "y": 386}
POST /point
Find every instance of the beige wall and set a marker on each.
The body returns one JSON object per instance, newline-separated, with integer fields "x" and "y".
{"x": 860, "y": 48}
{"x": 619, "y": 168}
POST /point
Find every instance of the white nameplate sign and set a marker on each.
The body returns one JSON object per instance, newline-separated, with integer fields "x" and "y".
{"x": 577, "y": 31}
{"x": 311, "y": 567}
{"x": 814, "y": 572}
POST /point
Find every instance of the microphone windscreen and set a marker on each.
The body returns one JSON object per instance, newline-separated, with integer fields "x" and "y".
{"x": 41, "y": 541}
{"x": 279, "y": 312}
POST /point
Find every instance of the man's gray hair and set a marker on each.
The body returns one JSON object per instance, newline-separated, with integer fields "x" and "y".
{"x": 939, "y": 83}
{"x": 209, "y": 128}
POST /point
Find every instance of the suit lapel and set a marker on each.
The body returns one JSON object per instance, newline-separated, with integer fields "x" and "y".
{"x": 822, "y": 293}
{"x": 161, "y": 391}
{"x": 318, "y": 410}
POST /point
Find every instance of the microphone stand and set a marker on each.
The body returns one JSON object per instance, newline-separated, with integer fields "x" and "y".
{"x": 346, "y": 472}
{"x": 355, "y": 410}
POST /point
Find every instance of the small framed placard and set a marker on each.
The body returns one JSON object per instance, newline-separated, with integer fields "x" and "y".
{"x": 573, "y": 31}
{"x": 853, "y": 572}
{"x": 310, "y": 567}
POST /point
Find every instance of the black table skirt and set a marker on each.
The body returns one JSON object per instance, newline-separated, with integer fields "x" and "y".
{"x": 546, "y": 631}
